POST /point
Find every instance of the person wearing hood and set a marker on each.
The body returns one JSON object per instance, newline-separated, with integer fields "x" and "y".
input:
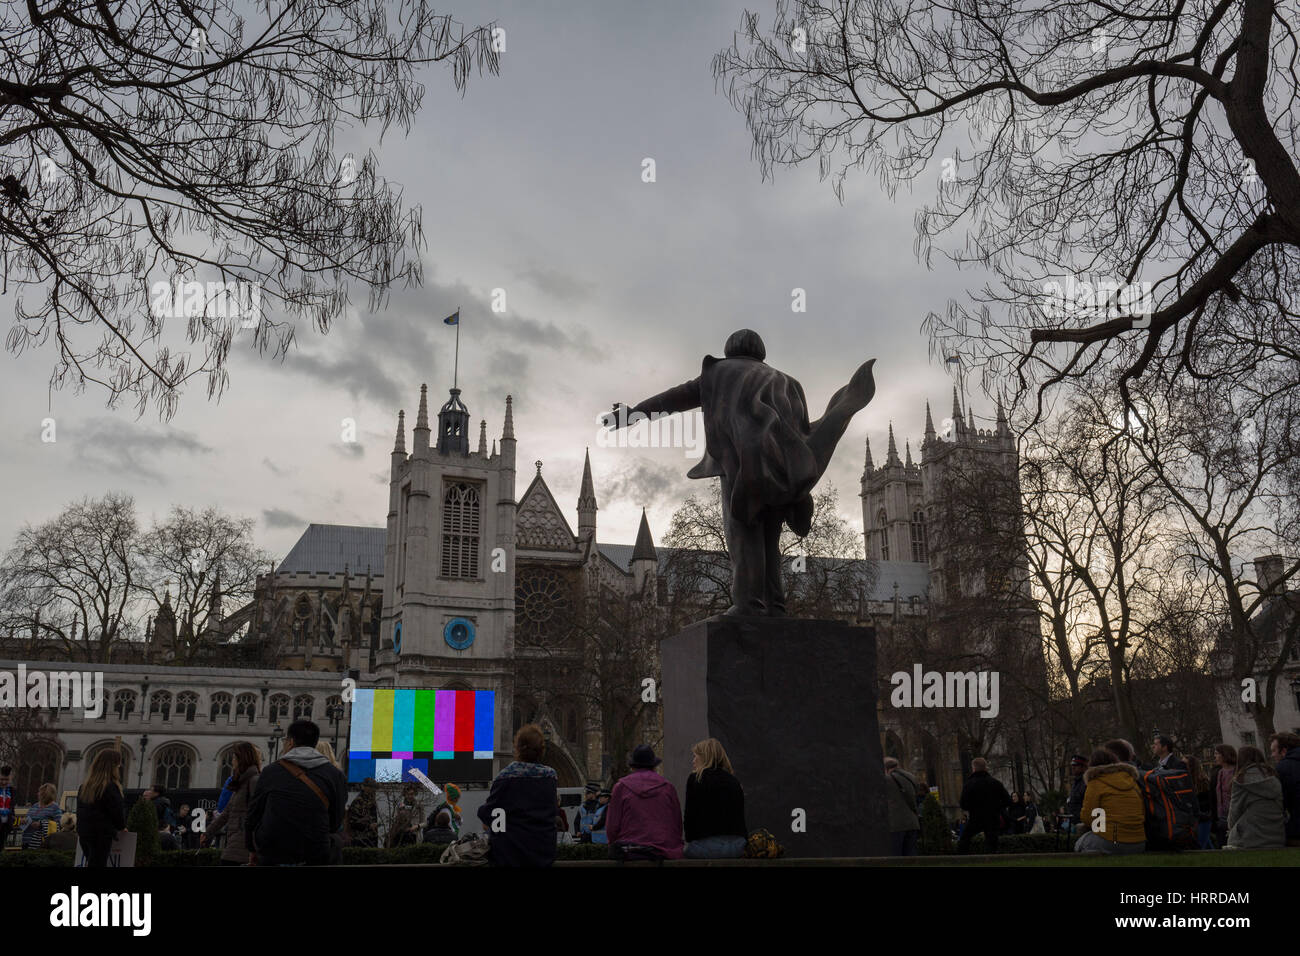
{"x": 1112, "y": 787}
{"x": 519, "y": 813}
{"x": 644, "y": 810}
{"x": 1256, "y": 818}
{"x": 1285, "y": 750}
{"x": 298, "y": 804}
{"x": 245, "y": 771}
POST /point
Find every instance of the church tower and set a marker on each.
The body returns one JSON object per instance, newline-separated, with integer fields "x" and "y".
{"x": 891, "y": 507}
{"x": 449, "y": 575}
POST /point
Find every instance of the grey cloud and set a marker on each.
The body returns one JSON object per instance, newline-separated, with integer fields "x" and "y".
{"x": 279, "y": 518}
{"x": 559, "y": 284}
{"x": 350, "y": 449}
{"x": 132, "y": 449}
{"x": 275, "y": 469}
{"x": 642, "y": 482}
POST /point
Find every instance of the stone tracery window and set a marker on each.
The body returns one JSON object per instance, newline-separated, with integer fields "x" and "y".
{"x": 246, "y": 707}
{"x": 172, "y": 767}
{"x": 160, "y": 703}
{"x": 187, "y": 703}
{"x": 542, "y": 607}
{"x": 461, "y": 519}
{"x": 124, "y": 703}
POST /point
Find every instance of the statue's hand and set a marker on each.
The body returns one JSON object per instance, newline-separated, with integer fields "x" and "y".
{"x": 617, "y": 418}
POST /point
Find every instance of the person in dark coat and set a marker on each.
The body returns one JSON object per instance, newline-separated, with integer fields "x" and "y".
{"x": 246, "y": 772}
{"x": 439, "y": 829}
{"x": 1078, "y": 764}
{"x": 1225, "y": 768}
{"x": 519, "y": 814}
{"x": 715, "y": 806}
{"x": 1166, "y": 755}
{"x": 101, "y": 814}
{"x": 363, "y": 817}
{"x": 298, "y": 804}
{"x": 1284, "y": 748}
{"x": 900, "y": 797}
{"x": 1016, "y": 814}
{"x": 8, "y": 814}
{"x": 759, "y": 440}
{"x": 984, "y": 799}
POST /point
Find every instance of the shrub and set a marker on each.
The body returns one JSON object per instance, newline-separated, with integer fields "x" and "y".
{"x": 143, "y": 822}
{"x": 936, "y": 837}
{"x": 1025, "y": 843}
{"x": 36, "y": 858}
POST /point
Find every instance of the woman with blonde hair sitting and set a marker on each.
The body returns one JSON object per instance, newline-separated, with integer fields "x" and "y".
{"x": 715, "y": 805}
{"x": 44, "y": 812}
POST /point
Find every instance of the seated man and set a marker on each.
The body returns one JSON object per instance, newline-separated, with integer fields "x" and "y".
{"x": 298, "y": 805}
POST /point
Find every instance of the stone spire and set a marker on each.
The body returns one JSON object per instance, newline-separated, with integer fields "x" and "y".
{"x": 508, "y": 431}
{"x": 214, "y": 597}
{"x": 399, "y": 446}
{"x": 453, "y": 425}
{"x": 420, "y": 436}
{"x": 891, "y": 457}
{"x": 494, "y": 448}
{"x": 970, "y": 412}
{"x": 644, "y": 549}
{"x": 908, "y": 446}
{"x": 587, "y": 500}
{"x": 869, "y": 464}
{"x": 1003, "y": 429}
{"x": 958, "y": 425}
{"x": 929, "y": 427}
{"x": 482, "y": 436}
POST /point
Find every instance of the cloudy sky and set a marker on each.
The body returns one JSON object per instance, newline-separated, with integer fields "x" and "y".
{"x": 615, "y": 288}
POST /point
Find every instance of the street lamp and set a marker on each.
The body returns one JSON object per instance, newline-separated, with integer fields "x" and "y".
{"x": 273, "y": 742}
{"x": 139, "y": 774}
{"x": 335, "y": 713}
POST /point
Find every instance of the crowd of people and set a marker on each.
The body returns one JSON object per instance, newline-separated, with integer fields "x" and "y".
{"x": 295, "y": 811}
{"x": 1249, "y": 800}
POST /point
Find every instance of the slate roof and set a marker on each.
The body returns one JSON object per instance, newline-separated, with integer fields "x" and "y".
{"x": 326, "y": 548}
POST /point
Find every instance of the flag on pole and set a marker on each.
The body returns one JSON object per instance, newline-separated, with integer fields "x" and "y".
{"x": 453, "y": 319}
{"x": 952, "y": 359}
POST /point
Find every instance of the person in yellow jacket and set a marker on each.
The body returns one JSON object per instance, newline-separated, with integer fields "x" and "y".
{"x": 1112, "y": 813}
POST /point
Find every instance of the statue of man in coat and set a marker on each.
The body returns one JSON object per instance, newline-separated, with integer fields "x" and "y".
{"x": 769, "y": 456}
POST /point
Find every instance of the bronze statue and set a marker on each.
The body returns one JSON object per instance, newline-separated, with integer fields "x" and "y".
{"x": 759, "y": 441}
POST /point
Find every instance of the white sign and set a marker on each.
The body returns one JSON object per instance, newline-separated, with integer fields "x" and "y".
{"x": 433, "y": 787}
{"x": 122, "y": 852}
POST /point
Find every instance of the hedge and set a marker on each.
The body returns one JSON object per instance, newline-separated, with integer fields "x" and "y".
{"x": 1026, "y": 843}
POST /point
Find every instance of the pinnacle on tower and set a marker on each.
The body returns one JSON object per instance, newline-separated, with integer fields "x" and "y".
{"x": 399, "y": 446}
{"x": 869, "y": 465}
{"x": 494, "y": 448}
{"x": 958, "y": 425}
{"x": 908, "y": 446}
{"x": 1002, "y": 428}
{"x": 929, "y": 426}
{"x": 508, "y": 431}
{"x": 970, "y": 412}
{"x": 644, "y": 549}
{"x": 891, "y": 457}
{"x": 587, "y": 500}
{"x": 482, "y": 436}
{"x": 422, "y": 418}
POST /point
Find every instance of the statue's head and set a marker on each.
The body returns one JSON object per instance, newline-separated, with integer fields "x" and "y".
{"x": 745, "y": 344}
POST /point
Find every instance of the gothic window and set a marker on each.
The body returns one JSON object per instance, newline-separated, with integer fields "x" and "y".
{"x": 541, "y": 607}
{"x": 161, "y": 704}
{"x": 124, "y": 703}
{"x": 221, "y": 706}
{"x": 39, "y": 761}
{"x": 918, "y": 537}
{"x": 245, "y": 707}
{"x": 172, "y": 767}
{"x": 187, "y": 703}
{"x": 279, "y": 707}
{"x": 302, "y": 705}
{"x": 881, "y": 519}
{"x": 460, "y": 530}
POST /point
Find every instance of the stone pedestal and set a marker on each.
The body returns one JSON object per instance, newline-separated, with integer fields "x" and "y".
{"x": 794, "y": 704}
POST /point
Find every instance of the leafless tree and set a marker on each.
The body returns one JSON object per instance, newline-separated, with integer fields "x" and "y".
{"x": 1115, "y": 144}
{"x": 147, "y": 144}
{"x": 72, "y": 581}
{"x": 190, "y": 554}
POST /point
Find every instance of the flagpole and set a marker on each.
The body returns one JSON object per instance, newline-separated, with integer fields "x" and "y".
{"x": 455, "y": 375}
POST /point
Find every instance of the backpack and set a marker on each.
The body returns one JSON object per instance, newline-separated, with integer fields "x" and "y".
{"x": 761, "y": 845}
{"x": 1171, "y": 809}
{"x": 471, "y": 850}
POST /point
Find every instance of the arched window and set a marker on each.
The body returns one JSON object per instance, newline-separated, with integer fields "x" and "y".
{"x": 124, "y": 704}
{"x": 39, "y": 761}
{"x": 160, "y": 704}
{"x": 173, "y": 766}
{"x": 460, "y": 530}
{"x": 187, "y": 704}
{"x": 245, "y": 708}
{"x": 881, "y": 520}
{"x": 918, "y": 537}
{"x": 279, "y": 707}
{"x": 221, "y": 706}
{"x": 302, "y": 705}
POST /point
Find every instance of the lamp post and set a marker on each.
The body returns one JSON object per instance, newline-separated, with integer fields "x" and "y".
{"x": 273, "y": 742}
{"x": 335, "y": 714}
{"x": 139, "y": 773}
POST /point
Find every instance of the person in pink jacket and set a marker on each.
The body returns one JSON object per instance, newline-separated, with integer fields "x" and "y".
{"x": 644, "y": 818}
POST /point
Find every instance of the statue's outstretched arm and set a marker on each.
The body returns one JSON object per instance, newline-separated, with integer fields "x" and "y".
{"x": 680, "y": 398}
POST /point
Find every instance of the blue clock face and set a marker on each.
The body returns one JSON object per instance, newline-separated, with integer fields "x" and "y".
{"x": 459, "y": 633}
{"x": 397, "y": 637}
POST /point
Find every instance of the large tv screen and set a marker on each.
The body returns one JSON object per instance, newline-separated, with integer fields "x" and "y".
{"x": 446, "y": 734}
